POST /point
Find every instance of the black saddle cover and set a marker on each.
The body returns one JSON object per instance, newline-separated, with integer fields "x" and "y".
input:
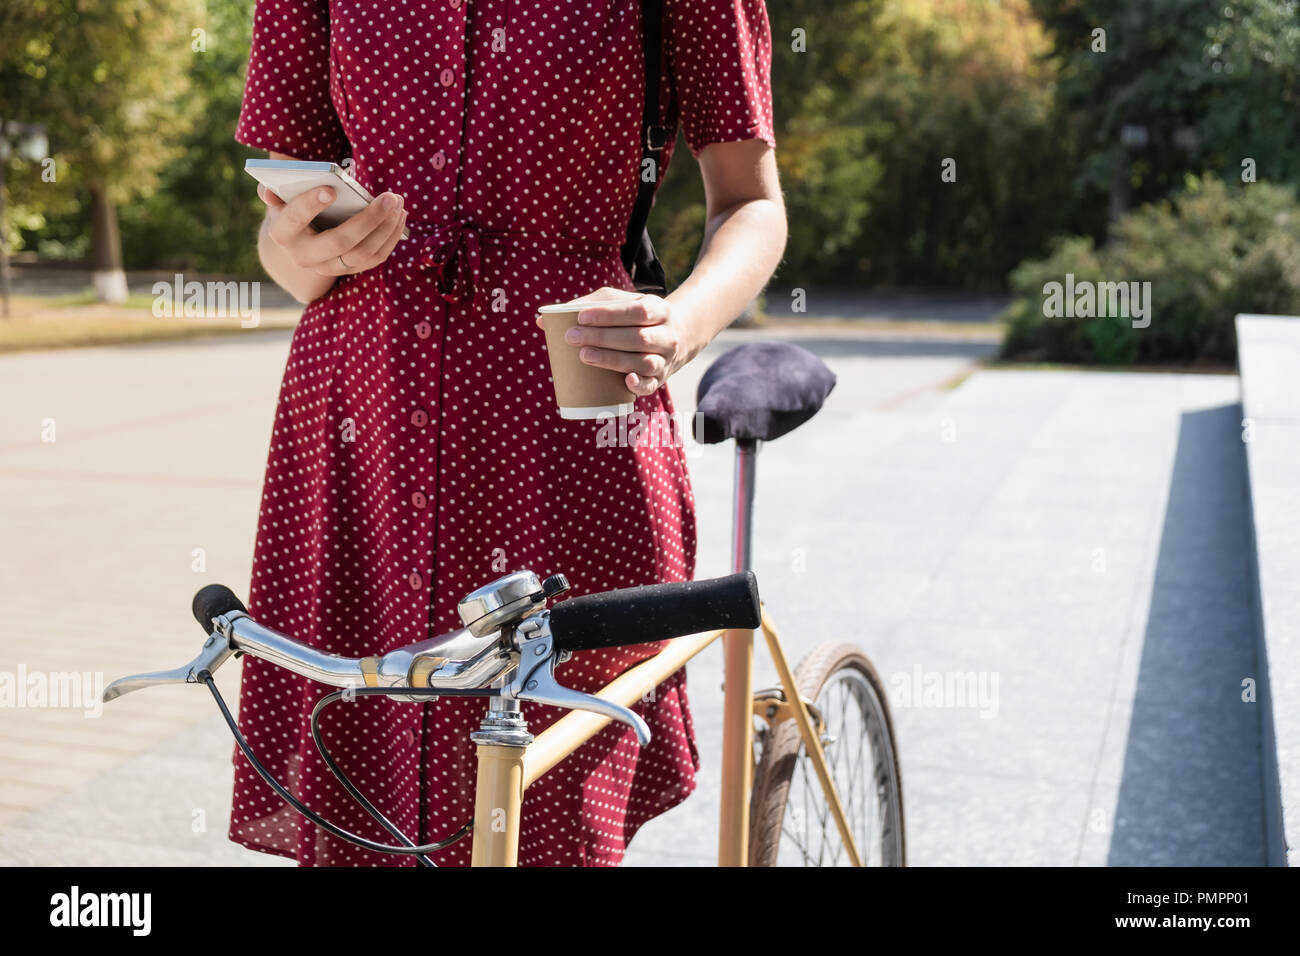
{"x": 760, "y": 391}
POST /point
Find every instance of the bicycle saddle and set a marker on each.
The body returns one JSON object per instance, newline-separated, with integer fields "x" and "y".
{"x": 760, "y": 391}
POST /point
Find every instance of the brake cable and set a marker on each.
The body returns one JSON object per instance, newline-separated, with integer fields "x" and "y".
{"x": 350, "y": 787}
{"x": 408, "y": 848}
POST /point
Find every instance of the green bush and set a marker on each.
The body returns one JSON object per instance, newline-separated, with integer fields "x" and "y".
{"x": 1209, "y": 253}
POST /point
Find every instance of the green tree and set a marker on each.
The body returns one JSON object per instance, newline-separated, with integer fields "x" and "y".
{"x": 827, "y": 172}
{"x": 870, "y": 97}
{"x": 958, "y": 105}
{"x": 104, "y": 77}
{"x": 1163, "y": 88}
{"x": 205, "y": 212}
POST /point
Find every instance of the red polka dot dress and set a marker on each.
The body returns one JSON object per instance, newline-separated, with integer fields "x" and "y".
{"x": 416, "y": 452}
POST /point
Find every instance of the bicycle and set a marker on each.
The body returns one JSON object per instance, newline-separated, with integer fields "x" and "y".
{"x": 815, "y": 726}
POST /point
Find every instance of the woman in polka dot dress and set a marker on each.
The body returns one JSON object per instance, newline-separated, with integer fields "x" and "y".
{"x": 416, "y": 452}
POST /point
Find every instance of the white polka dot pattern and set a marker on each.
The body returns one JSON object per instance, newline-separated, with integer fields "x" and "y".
{"x": 416, "y": 451}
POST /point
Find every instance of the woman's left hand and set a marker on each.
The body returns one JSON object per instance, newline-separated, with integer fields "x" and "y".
{"x": 641, "y": 336}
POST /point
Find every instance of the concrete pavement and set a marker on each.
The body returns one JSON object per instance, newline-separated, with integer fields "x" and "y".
{"x": 1069, "y": 539}
{"x": 1268, "y": 349}
{"x": 131, "y": 476}
{"x": 1072, "y": 544}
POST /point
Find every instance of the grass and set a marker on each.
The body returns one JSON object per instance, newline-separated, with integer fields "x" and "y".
{"x": 87, "y": 296}
{"x": 77, "y": 321}
{"x": 960, "y": 378}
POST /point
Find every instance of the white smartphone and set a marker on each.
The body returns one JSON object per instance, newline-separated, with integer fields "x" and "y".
{"x": 290, "y": 178}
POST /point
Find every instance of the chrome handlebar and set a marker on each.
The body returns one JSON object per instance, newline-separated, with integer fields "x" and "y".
{"x": 237, "y": 633}
{"x": 518, "y": 657}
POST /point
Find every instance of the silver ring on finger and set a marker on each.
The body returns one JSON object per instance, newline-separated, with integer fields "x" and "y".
{"x": 346, "y": 267}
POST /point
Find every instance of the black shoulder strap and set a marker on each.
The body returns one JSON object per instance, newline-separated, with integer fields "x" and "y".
{"x": 653, "y": 140}
{"x": 652, "y": 33}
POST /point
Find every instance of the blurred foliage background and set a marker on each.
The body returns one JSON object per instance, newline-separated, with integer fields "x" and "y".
{"x": 1209, "y": 252}
{"x": 1127, "y": 141}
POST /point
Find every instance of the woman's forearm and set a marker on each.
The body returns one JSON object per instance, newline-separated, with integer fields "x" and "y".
{"x": 742, "y": 247}
{"x": 305, "y": 285}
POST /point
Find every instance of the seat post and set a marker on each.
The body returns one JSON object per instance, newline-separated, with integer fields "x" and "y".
{"x": 742, "y": 522}
{"x": 738, "y": 683}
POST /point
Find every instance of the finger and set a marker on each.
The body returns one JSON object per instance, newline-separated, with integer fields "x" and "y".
{"x": 638, "y": 311}
{"x": 627, "y": 338}
{"x": 334, "y": 267}
{"x": 642, "y": 386}
{"x": 347, "y": 235}
{"x": 296, "y": 215}
{"x": 271, "y": 199}
{"x": 640, "y": 362}
{"x": 370, "y": 253}
{"x": 360, "y": 257}
{"x": 387, "y": 243}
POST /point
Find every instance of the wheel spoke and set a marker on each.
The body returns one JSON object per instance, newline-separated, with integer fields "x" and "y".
{"x": 860, "y": 764}
{"x": 844, "y": 784}
{"x": 812, "y": 803}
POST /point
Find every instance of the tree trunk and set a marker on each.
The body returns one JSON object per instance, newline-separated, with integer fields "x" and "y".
{"x": 4, "y": 250}
{"x": 1119, "y": 190}
{"x": 106, "y": 248}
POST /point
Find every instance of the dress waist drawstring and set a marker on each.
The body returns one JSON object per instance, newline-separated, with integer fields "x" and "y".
{"x": 452, "y": 252}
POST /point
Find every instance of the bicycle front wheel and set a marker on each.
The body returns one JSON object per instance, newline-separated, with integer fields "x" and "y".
{"x": 791, "y": 823}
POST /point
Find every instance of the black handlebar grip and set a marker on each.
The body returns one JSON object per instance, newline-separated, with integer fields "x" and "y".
{"x": 213, "y": 601}
{"x": 655, "y": 612}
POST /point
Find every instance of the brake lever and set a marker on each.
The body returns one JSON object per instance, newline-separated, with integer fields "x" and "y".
{"x": 216, "y": 651}
{"x": 535, "y": 680}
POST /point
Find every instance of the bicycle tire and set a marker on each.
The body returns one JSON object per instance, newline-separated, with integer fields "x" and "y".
{"x": 827, "y": 669}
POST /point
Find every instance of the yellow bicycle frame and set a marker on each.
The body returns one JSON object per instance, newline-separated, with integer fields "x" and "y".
{"x": 505, "y": 772}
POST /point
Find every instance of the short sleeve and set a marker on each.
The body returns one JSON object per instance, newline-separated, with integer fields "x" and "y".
{"x": 287, "y": 106}
{"x": 720, "y": 55}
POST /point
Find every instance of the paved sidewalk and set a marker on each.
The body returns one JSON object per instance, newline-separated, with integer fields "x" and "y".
{"x": 150, "y": 489}
{"x": 1074, "y": 540}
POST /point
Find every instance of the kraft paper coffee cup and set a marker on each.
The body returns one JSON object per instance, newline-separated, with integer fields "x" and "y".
{"x": 581, "y": 390}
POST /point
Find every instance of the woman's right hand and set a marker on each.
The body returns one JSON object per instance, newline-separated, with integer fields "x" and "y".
{"x": 359, "y": 243}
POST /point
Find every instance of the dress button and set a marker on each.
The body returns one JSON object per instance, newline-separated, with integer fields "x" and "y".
{"x": 419, "y": 418}
{"x": 415, "y": 581}
{"x": 423, "y": 329}
{"x": 439, "y": 159}
{"x": 455, "y": 4}
{"x": 410, "y": 736}
{"x": 419, "y": 500}
{"x": 447, "y": 78}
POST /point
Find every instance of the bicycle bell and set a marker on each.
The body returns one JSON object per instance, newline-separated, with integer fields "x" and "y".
{"x": 507, "y": 600}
